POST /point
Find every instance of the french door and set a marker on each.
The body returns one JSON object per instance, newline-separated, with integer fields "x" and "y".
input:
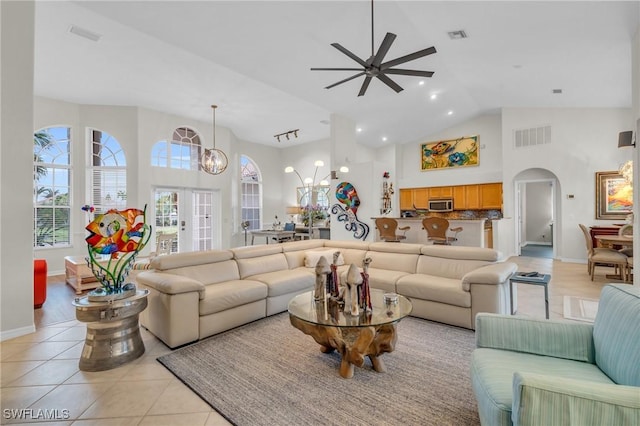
{"x": 193, "y": 214}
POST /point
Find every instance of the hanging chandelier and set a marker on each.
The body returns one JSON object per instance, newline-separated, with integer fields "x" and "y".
{"x": 213, "y": 161}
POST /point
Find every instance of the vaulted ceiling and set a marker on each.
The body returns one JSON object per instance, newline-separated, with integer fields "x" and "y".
{"x": 253, "y": 59}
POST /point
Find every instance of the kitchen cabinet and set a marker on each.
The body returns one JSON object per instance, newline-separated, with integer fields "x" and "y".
{"x": 406, "y": 199}
{"x": 439, "y": 192}
{"x": 421, "y": 198}
{"x": 491, "y": 196}
{"x": 486, "y": 196}
{"x": 459, "y": 197}
{"x": 472, "y": 197}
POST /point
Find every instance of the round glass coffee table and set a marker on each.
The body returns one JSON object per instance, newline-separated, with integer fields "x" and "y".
{"x": 371, "y": 333}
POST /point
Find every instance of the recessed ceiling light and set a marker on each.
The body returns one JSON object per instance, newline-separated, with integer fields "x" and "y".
{"x": 421, "y": 83}
{"x": 84, "y": 33}
{"x": 450, "y": 113}
{"x": 433, "y": 97}
{"x": 456, "y": 35}
{"x": 384, "y": 139}
{"x": 557, "y": 91}
{"x": 359, "y": 129}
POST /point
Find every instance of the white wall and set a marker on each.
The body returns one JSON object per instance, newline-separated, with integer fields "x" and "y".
{"x": 488, "y": 127}
{"x": 584, "y": 141}
{"x": 16, "y": 168}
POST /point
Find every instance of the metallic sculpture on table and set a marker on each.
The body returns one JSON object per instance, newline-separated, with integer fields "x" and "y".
{"x": 122, "y": 234}
{"x": 346, "y": 194}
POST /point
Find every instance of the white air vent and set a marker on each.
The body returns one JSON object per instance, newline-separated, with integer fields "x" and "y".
{"x": 530, "y": 137}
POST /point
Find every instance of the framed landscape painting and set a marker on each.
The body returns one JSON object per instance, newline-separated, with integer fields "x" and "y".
{"x": 614, "y": 196}
{"x": 446, "y": 154}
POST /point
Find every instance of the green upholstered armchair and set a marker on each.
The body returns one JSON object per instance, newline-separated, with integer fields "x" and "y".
{"x": 540, "y": 372}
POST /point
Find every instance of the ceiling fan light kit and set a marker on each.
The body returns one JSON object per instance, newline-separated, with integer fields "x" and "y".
{"x": 374, "y": 67}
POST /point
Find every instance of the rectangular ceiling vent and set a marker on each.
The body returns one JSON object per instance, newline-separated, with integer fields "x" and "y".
{"x": 530, "y": 137}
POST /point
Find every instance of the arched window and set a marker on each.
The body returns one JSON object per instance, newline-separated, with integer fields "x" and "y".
{"x": 107, "y": 172}
{"x": 52, "y": 186}
{"x": 182, "y": 152}
{"x": 251, "y": 192}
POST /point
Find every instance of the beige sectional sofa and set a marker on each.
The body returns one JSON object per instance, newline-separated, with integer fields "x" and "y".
{"x": 197, "y": 294}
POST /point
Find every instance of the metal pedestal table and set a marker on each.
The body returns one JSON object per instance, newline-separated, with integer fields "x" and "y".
{"x": 113, "y": 334}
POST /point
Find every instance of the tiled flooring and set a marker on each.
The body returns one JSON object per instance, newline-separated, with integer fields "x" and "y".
{"x": 40, "y": 371}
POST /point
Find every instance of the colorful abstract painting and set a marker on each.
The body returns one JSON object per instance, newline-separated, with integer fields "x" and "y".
{"x": 614, "y": 196}
{"x": 461, "y": 152}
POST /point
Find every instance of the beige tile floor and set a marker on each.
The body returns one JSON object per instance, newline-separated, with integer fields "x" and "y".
{"x": 40, "y": 372}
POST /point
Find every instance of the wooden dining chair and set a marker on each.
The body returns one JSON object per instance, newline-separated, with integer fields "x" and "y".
{"x": 600, "y": 256}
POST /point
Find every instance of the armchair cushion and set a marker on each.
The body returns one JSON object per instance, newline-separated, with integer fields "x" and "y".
{"x": 552, "y": 400}
{"x": 492, "y": 373}
{"x": 616, "y": 334}
{"x": 559, "y": 339}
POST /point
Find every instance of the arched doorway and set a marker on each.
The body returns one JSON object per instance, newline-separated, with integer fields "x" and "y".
{"x": 536, "y": 213}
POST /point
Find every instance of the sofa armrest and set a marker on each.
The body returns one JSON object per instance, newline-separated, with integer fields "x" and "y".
{"x": 169, "y": 283}
{"x": 496, "y": 273}
{"x": 560, "y": 339}
{"x": 550, "y": 400}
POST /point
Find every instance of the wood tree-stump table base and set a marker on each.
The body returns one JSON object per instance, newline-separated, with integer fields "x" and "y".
{"x": 352, "y": 343}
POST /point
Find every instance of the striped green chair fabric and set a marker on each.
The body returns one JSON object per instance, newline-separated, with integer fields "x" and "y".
{"x": 538, "y": 372}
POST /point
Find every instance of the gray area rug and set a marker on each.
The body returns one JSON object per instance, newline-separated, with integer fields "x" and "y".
{"x": 269, "y": 373}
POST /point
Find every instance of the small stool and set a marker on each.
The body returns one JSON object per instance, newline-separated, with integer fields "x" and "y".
{"x": 540, "y": 279}
{"x": 39, "y": 282}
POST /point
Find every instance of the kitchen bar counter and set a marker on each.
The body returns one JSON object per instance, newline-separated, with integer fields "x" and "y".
{"x": 472, "y": 233}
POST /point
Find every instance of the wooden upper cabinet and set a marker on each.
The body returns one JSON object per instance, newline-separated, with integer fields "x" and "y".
{"x": 440, "y": 192}
{"x": 465, "y": 197}
{"x": 459, "y": 197}
{"x": 421, "y": 198}
{"x": 406, "y": 199}
{"x": 472, "y": 197}
{"x": 491, "y": 196}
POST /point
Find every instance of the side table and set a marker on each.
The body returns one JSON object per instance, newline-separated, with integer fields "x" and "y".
{"x": 540, "y": 279}
{"x": 113, "y": 333}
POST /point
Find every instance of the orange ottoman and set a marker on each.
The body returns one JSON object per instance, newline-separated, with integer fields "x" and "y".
{"x": 39, "y": 282}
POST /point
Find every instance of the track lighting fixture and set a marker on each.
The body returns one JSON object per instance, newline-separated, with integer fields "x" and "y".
{"x": 287, "y": 134}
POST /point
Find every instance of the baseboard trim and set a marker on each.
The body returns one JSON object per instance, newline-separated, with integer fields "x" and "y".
{"x": 17, "y": 332}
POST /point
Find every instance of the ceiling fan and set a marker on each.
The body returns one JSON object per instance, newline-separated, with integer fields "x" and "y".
{"x": 374, "y": 67}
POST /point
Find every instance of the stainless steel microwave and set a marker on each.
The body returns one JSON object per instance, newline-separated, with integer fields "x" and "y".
{"x": 442, "y": 205}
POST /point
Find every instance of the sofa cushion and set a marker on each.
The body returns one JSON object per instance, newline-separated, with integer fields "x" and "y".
{"x": 616, "y": 333}
{"x": 294, "y": 251}
{"x": 435, "y": 289}
{"x": 311, "y": 257}
{"x": 461, "y": 252}
{"x": 286, "y": 281}
{"x": 262, "y": 265}
{"x": 383, "y": 279}
{"x": 192, "y": 258}
{"x": 447, "y": 268}
{"x": 492, "y": 373}
{"x": 403, "y": 262}
{"x": 230, "y": 294}
{"x": 210, "y": 273}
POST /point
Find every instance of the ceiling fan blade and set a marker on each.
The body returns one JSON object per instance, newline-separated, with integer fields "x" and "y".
{"x": 407, "y": 58}
{"x": 345, "y": 80}
{"x": 386, "y": 80}
{"x": 365, "y": 86}
{"x": 414, "y": 73}
{"x": 336, "y": 69}
{"x": 384, "y": 48}
{"x": 349, "y": 54}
